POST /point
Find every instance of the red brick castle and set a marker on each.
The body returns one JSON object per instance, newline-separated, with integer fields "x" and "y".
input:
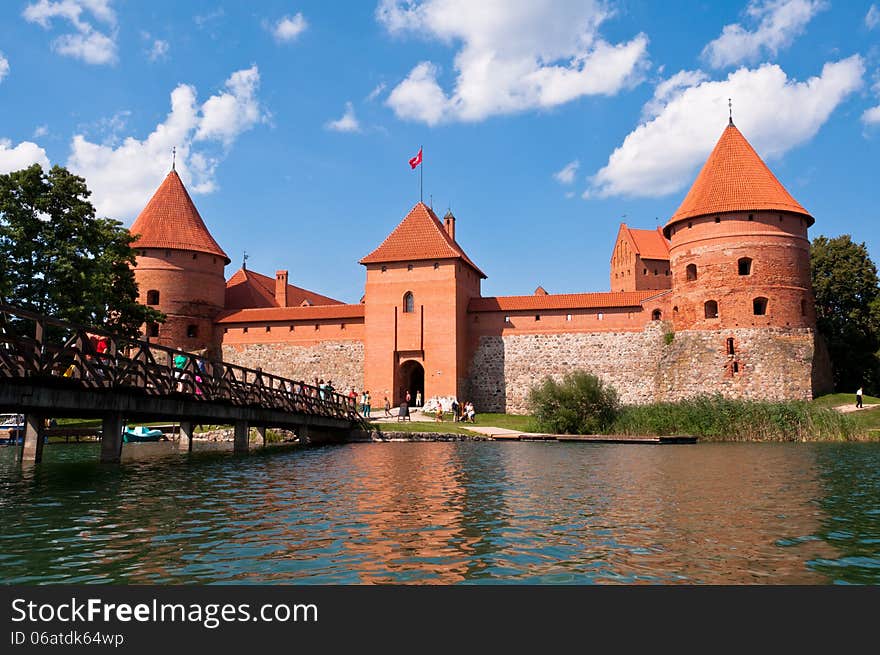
{"x": 719, "y": 300}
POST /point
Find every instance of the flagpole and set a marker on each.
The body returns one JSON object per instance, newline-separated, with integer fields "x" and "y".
{"x": 421, "y": 168}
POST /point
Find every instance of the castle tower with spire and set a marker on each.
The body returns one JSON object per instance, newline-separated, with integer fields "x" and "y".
{"x": 739, "y": 252}
{"x": 179, "y": 269}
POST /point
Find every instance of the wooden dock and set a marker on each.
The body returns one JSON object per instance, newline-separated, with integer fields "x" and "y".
{"x": 596, "y": 438}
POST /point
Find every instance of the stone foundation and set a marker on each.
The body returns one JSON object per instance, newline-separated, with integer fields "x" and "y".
{"x": 339, "y": 361}
{"x": 653, "y": 365}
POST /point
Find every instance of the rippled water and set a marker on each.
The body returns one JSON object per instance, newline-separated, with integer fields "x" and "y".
{"x": 447, "y": 513}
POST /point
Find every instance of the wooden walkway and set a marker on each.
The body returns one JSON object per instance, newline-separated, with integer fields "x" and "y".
{"x": 502, "y": 434}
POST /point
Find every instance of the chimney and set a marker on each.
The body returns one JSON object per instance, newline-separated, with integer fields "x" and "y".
{"x": 281, "y": 288}
{"x": 449, "y": 222}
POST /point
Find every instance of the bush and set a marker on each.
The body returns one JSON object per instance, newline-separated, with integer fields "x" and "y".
{"x": 579, "y": 404}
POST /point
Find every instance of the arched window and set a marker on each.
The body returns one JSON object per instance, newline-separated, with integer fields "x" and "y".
{"x": 408, "y": 302}
{"x": 691, "y": 272}
{"x": 152, "y": 297}
{"x": 656, "y": 315}
{"x": 745, "y": 266}
{"x": 192, "y": 331}
{"x": 759, "y": 306}
{"x": 710, "y": 308}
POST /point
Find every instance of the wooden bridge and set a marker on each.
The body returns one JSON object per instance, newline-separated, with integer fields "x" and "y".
{"x": 53, "y": 368}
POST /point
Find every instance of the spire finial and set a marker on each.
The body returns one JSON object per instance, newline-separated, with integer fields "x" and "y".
{"x": 244, "y": 259}
{"x": 173, "y": 157}
{"x": 730, "y": 109}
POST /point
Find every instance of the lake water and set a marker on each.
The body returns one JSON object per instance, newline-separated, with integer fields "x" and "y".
{"x": 447, "y": 513}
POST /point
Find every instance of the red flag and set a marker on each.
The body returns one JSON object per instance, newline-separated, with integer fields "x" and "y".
{"x": 415, "y": 161}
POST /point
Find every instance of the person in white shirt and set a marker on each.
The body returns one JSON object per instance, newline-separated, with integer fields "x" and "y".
{"x": 859, "y": 397}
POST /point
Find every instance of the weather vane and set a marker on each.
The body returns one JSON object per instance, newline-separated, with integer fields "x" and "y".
{"x": 173, "y": 156}
{"x": 244, "y": 259}
{"x": 730, "y": 109}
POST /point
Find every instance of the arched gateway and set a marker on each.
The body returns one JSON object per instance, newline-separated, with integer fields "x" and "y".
{"x": 412, "y": 379}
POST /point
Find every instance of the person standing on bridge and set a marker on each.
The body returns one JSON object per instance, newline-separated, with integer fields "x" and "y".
{"x": 367, "y": 403}
{"x": 179, "y": 362}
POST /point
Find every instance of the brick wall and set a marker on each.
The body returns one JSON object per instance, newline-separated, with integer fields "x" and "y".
{"x": 340, "y": 361}
{"x": 646, "y": 366}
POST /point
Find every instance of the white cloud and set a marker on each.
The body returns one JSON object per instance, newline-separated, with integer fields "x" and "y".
{"x": 4, "y": 67}
{"x": 288, "y": 28}
{"x": 86, "y": 43}
{"x": 348, "y": 122}
{"x": 379, "y": 88}
{"x": 513, "y": 56}
{"x": 871, "y": 116}
{"x": 159, "y": 50}
{"x": 778, "y": 23}
{"x": 21, "y": 156}
{"x": 123, "y": 177}
{"x": 566, "y": 175}
{"x": 872, "y": 18}
{"x": 774, "y": 112}
{"x": 41, "y": 131}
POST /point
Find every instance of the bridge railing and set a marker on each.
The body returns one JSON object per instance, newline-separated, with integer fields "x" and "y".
{"x": 34, "y": 347}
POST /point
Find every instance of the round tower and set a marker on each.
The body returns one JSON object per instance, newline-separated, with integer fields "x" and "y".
{"x": 739, "y": 252}
{"x": 179, "y": 269}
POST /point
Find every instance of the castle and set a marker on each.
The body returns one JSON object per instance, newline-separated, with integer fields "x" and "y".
{"x": 717, "y": 301}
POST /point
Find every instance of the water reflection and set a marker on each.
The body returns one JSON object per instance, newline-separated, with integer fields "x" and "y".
{"x": 447, "y": 513}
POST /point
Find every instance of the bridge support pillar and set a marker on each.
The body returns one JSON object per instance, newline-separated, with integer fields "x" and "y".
{"x": 302, "y": 432}
{"x": 111, "y": 438}
{"x": 32, "y": 440}
{"x": 261, "y": 433}
{"x": 186, "y": 437}
{"x": 242, "y": 431}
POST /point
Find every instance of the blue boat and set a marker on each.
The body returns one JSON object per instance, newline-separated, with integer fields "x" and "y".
{"x": 141, "y": 433}
{"x": 11, "y": 428}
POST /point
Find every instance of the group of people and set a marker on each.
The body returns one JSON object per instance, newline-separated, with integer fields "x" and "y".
{"x": 460, "y": 413}
{"x": 365, "y": 404}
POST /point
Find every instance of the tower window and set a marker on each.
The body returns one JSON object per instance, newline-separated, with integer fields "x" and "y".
{"x": 244, "y": 330}
{"x": 153, "y": 329}
{"x": 691, "y": 272}
{"x": 803, "y": 307}
{"x": 568, "y": 317}
{"x": 730, "y": 350}
{"x": 268, "y": 328}
{"x": 656, "y": 315}
{"x": 409, "y": 267}
{"x": 655, "y": 271}
{"x": 759, "y": 306}
{"x": 195, "y": 255}
{"x": 436, "y": 265}
{"x": 751, "y": 217}
{"x": 384, "y": 268}
{"x": 690, "y": 225}
{"x": 152, "y": 297}
{"x": 736, "y": 367}
{"x": 600, "y": 316}
{"x": 537, "y": 317}
{"x": 745, "y": 266}
{"x": 644, "y": 271}
{"x": 710, "y": 309}
{"x": 717, "y": 219}
{"x": 408, "y": 302}
{"x": 192, "y": 331}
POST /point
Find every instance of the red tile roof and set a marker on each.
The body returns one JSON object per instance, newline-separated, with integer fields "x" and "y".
{"x": 420, "y": 235}
{"x": 561, "y": 301}
{"x": 734, "y": 178}
{"x": 249, "y": 289}
{"x": 647, "y": 244}
{"x": 270, "y": 314}
{"x": 171, "y": 220}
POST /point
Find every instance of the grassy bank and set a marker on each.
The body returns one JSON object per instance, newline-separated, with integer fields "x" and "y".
{"x": 720, "y": 419}
{"x": 442, "y": 427}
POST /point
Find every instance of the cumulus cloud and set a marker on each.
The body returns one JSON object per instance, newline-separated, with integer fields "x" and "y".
{"x": 778, "y": 22}
{"x": 288, "y": 28}
{"x": 123, "y": 176}
{"x": 513, "y": 56}
{"x": 21, "y": 156}
{"x": 774, "y": 112}
{"x": 566, "y": 175}
{"x": 86, "y": 42}
{"x": 4, "y": 67}
{"x": 872, "y": 116}
{"x": 872, "y": 18}
{"x": 347, "y": 123}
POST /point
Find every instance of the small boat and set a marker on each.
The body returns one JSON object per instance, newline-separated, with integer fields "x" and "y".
{"x": 141, "y": 433}
{"x": 11, "y": 428}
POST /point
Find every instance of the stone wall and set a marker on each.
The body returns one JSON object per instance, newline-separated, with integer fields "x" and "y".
{"x": 652, "y": 365}
{"x": 340, "y": 361}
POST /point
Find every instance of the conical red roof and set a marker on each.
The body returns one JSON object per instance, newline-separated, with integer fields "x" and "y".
{"x": 734, "y": 178}
{"x": 171, "y": 220}
{"x": 420, "y": 235}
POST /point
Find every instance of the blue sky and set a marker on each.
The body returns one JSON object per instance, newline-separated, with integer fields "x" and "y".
{"x": 544, "y": 123}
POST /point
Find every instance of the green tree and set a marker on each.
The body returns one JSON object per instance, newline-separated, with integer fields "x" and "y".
{"x": 579, "y": 404}
{"x": 57, "y": 258}
{"x": 848, "y": 310}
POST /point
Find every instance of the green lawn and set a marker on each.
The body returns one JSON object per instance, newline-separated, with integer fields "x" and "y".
{"x": 508, "y": 421}
{"x": 838, "y": 399}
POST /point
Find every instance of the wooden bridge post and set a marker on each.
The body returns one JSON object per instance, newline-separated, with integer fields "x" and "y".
{"x": 302, "y": 432}
{"x": 111, "y": 438}
{"x": 242, "y": 433}
{"x": 261, "y": 433}
{"x": 186, "y": 432}
{"x": 32, "y": 440}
